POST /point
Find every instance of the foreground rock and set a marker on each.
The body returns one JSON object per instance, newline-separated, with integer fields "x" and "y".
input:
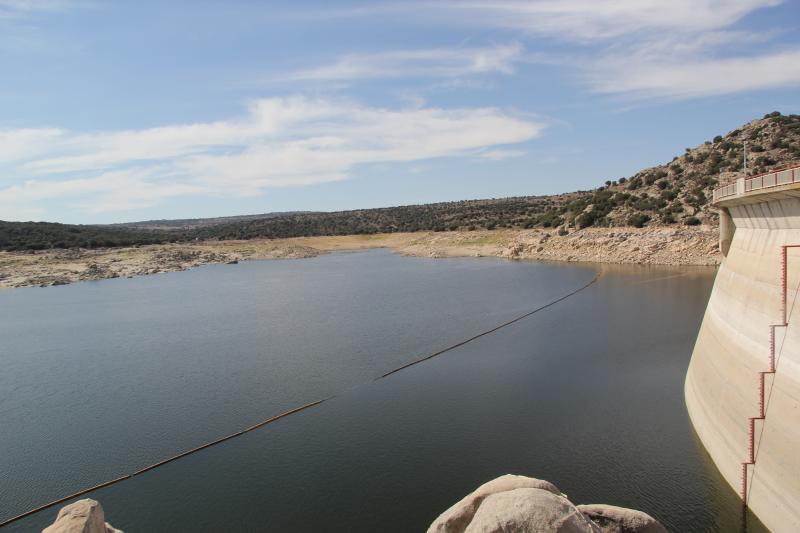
{"x": 519, "y": 504}
{"x": 83, "y": 516}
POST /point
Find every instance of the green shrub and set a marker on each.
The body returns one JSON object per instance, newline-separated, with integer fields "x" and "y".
{"x": 765, "y": 161}
{"x": 634, "y": 183}
{"x": 584, "y": 220}
{"x": 638, "y": 220}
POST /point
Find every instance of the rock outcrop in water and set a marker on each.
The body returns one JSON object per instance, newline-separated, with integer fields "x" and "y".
{"x": 519, "y": 504}
{"x": 83, "y": 516}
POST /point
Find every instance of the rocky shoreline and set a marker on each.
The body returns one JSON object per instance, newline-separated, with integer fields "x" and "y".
{"x": 656, "y": 246}
{"x": 620, "y": 245}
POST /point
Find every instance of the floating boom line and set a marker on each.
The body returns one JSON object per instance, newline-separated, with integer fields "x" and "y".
{"x": 294, "y": 410}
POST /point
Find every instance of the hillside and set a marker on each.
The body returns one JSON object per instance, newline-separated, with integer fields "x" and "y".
{"x": 675, "y": 193}
{"x": 679, "y": 192}
{"x": 463, "y": 215}
{"x": 46, "y": 235}
{"x": 192, "y": 223}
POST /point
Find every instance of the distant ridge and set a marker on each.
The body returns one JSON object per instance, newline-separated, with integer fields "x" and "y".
{"x": 191, "y": 223}
{"x": 677, "y": 192}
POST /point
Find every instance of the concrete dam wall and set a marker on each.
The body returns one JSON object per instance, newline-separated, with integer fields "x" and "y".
{"x": 743, "y": 384}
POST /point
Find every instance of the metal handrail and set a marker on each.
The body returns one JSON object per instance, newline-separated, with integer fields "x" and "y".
{"x": 767, "y": 180}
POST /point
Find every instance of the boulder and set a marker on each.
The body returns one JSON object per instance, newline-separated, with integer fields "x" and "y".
{"x": 519, "y": 504}
{"x": 83, "y": 516}
{"x": 528, "y": 511}
{"x": 612, "y": 519}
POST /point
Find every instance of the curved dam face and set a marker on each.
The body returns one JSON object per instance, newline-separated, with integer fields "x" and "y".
{"x": 733, "y": 354}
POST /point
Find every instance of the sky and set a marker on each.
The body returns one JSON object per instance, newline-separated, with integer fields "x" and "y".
{"x": 124, "y": 111}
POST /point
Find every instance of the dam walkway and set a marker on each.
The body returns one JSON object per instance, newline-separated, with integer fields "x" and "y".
{"x": 743, "y": 186}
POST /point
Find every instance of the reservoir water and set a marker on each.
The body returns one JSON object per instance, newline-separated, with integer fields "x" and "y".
{"x": 102, "y": 378}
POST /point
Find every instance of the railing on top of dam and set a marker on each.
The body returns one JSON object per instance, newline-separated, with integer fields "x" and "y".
{"x": 773, "y": 178}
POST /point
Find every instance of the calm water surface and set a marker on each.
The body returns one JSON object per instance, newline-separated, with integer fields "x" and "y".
{"x": 102, "y": 378}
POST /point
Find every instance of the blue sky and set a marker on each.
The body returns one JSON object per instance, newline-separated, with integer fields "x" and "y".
{"x": 121, "y": 111}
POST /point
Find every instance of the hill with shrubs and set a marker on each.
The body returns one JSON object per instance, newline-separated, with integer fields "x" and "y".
{"x": 674, "y": 193}
{"x": 46, "y": 235}
{"x": 679, "y": 192}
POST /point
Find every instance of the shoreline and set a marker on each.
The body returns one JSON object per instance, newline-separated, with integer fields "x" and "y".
{"x": 677, "y": 246}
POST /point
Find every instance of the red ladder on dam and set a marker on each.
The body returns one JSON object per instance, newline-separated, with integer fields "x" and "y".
{"x": 762, "y": 413}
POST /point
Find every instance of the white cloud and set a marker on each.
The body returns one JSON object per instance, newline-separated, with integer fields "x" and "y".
{"x": 500, "y": 154}
{"x": 20, "y": 8}
{"x": 642, "y": 48}
{"x": 696, "y": 78}
{"x": 22, "y": 143}
{"x": 280, "y": 142}
{"x": 430, "y": 62}
{"x": 19, "y": 31}
{"x": 604, "y": 19}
